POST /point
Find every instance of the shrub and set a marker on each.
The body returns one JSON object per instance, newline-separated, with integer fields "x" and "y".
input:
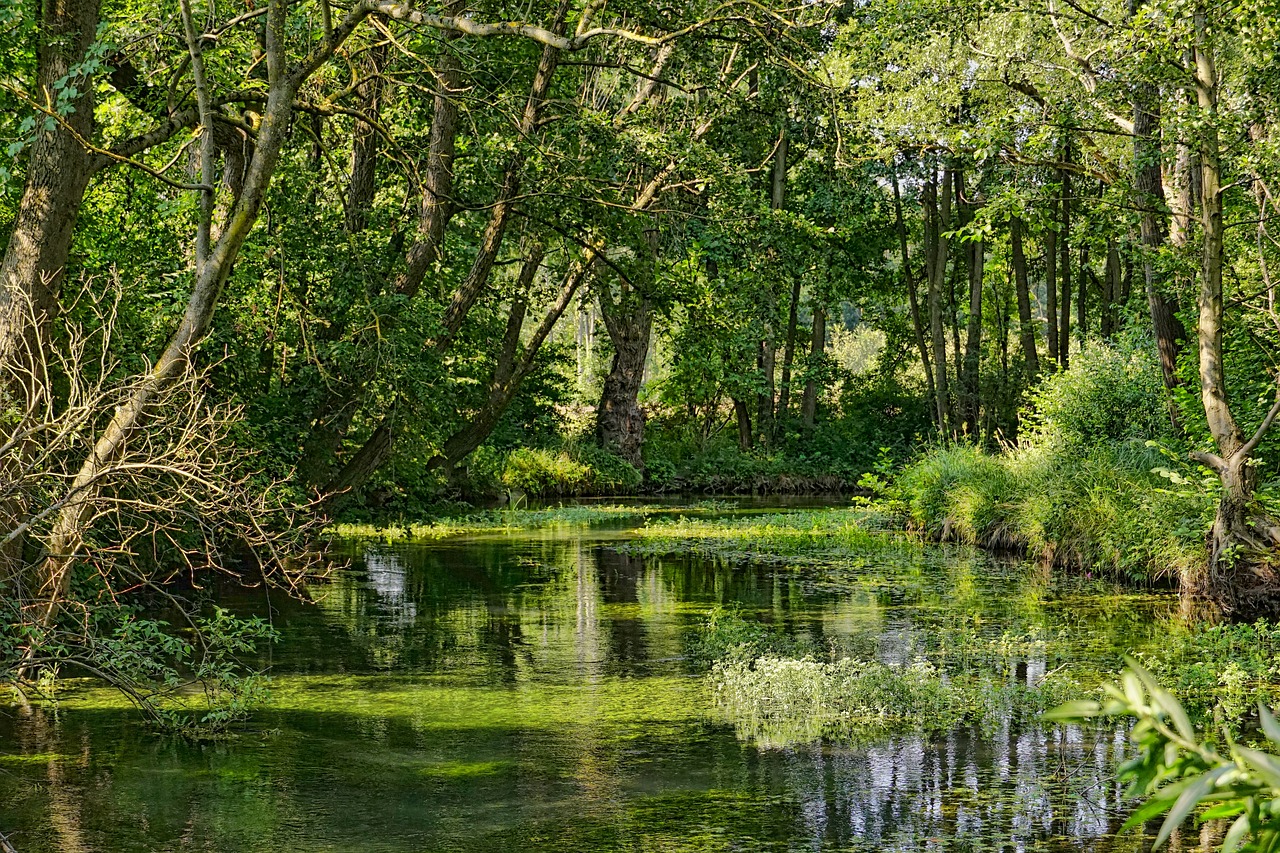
{"x": 572, "y": 470}
{"x": 1110, "y": 393}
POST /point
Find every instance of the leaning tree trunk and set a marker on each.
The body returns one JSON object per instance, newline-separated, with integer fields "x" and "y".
{"x": 619, "y": 418}
{"x": 513, "y": 363}
{"x": 1241, "y": 578}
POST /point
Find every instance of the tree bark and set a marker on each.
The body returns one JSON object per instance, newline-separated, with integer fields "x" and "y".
{"x": 619, "y": 418}
{"x": 817, "y": 352}
{"x": 1064, "y": 268}
{"x": 913, "y": 298}
{"x": 767, "y": 361}
{"x": 973, "y": 337}
{"x": 213, "y": 267}
{"x": 1082, "y": 275}
{"x": 937, "y": 223}
{"x": 1026, "y": 323}
{"x": 35, "y": 258}
{"x": 1244, "y": 538}
{"x": 743, "y": 414}
{"x": 1051, "y": 294}
{"x": 365, "y": 145}
{"x": 789, "y": 351}
{"x": 1150, "y": 200}
{"x": 513, "y": 364}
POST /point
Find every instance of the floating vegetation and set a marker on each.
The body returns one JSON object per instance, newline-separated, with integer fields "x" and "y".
{"x": 780, "y": 701}
{"x": 775, "y": 537}
{"x": 778, "y": 691}
{"x": 493, "y": 521}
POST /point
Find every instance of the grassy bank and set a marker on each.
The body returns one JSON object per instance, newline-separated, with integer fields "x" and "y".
{"x": 1124, "y": 509}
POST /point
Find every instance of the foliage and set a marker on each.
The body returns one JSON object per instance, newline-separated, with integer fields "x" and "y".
{"x": 772, "y": 537}
{"x": 497, "y": 521}
{"x": 1220, "y": 673}
{"x": 578, "y": 469}
{"x": 1127, "y": 509}
{"x": 195, "y": 680}
{"x": 1179, "y": 773}
{"x": 777, "y": 701}
{"x": 1112, "y": 392}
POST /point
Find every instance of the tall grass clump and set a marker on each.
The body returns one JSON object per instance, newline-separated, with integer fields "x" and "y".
{"x": 1095, "y": 483}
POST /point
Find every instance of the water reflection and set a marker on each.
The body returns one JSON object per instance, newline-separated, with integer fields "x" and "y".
{"x": 530, "y": 693}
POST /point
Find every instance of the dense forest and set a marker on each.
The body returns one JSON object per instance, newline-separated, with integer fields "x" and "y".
{"x": 1007, "y": 271}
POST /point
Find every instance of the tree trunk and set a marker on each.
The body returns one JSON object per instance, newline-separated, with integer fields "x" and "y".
{"x": 1111, "y": 287}
{"x": 1082, "y": 301}
{"x": 789, "y": 351}
{"x": 937, "y": 223}
{"x": 1242, "y": 578}
{"x": 1149, "y": 189}
{"x": 817, "y": 352}
{"x": 1064, "y": 270}
{"x": 766, "y": 364}
{"x": 213, "y": 267}
{"x": 365, "y": 145}
{"x": 1026, "y": 323}
{"x": 437, "y": 209}
{"x": 973, "y": 337}
{"x": 513, "y": 365}
{"x": 34, "y": 262}
{"x": 767, "y": 361}
{"x": 619, "y": 418}
{"x": 743, "y": 413}
{"x": 1051, "y": 293}
{"x": 316, "y": 466}
{"x": 917, "y": 321}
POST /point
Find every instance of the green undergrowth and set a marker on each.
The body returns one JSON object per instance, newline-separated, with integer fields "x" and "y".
{"x": 1100, "y": 482}
{"x": 774, "y": 537}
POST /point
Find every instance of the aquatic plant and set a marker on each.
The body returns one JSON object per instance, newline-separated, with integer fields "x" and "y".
{"x": 1180, "y": 772}
{"x": 1220, "y": 672}
{"x": 776, "y": 701}
{"x": 492, "y": 521}
{"x": 196, "y": 682}
{"x": 775, "y": 537}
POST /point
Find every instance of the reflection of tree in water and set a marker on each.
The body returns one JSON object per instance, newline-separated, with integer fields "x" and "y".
{"x": 619, "y": 579}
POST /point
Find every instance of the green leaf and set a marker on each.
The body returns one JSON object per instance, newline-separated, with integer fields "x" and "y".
{"x": 1235, "y": 836}
{"x": 1269, "y": 725}
{"x": 1267, "y": 765}
{"x": 1069, "y": 712}
{"x": 1186, "y": 803}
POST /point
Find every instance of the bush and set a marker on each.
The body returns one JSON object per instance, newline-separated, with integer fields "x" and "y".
{"x": 572, "y": 470}
{"x": 1111, "y": 393}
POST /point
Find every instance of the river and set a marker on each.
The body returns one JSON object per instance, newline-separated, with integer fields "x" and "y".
{"x": 529, "y": 691}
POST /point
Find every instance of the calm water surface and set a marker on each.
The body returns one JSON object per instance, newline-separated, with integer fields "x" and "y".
{"x": 530, "y": 692}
